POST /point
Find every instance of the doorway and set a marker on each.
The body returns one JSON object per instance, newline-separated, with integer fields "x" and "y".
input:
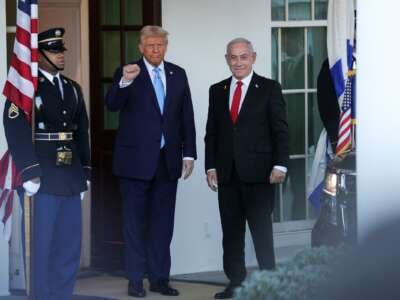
{"x": 114, "y": 35}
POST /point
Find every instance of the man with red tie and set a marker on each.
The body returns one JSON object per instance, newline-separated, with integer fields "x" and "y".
{"x": 246, "y": 153}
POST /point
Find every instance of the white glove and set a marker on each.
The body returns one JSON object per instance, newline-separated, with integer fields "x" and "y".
{"x": 83, "y": 193}
{"x": 31, "y": 187}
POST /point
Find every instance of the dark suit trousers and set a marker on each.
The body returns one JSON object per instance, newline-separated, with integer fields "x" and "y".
{"x": 240, "y": 202}
{"x": 148, "y": 223}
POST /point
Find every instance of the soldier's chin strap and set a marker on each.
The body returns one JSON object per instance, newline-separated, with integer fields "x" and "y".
{"x": 50, "y": 62}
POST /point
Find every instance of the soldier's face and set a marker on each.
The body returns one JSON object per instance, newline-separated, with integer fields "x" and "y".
{"x": 153, "y": 49}
{"x": 57, "y": 58}
{"x": 240, "y": 60}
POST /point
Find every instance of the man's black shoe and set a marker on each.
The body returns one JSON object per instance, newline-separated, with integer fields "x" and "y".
{"x": 135, "y": 289}
{"x": 227, "y": 293}
{"x": 163, "y": 288}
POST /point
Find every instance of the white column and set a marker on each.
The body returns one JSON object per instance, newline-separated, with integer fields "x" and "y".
{"x": 4, "y": 277}
{"x": 378, "y": 111}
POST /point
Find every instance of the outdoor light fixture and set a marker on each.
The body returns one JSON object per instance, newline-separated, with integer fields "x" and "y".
{"x": 331, "y": 184}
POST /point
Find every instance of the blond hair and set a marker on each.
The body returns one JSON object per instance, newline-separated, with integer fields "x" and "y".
{"x": 153, "y": 31}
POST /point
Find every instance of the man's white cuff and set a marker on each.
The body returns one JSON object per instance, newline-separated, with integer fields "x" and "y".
{"x": 123, "y": 83}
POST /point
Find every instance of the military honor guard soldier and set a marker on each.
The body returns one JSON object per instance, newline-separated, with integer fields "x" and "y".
{"x": 55, "y": 168}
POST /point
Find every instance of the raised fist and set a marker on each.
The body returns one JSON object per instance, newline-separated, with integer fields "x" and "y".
{"x": 130, "y": 72}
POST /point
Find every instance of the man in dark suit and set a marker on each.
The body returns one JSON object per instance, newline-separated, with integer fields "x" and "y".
{"x": 155, "y": 145}
{"x": 56, "y": 169}
{"x": 246, "y": 149}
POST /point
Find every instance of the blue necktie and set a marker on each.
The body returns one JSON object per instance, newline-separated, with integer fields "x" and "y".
{"x": 159, "y": 89}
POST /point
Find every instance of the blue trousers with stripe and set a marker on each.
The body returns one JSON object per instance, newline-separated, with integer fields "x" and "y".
{"x": 57, "y": 245}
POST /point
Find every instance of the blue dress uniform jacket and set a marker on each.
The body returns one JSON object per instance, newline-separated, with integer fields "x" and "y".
{"x": 52, "y": 114}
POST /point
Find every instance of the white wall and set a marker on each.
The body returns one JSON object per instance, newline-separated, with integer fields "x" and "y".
{"x": 199, "y": 32}
{"x": 3, "y": 74}
{"x": 378, "y": 108}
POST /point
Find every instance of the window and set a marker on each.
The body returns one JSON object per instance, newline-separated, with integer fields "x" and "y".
{"x": 120, "y": 23}
{"x": 298, "y": 51}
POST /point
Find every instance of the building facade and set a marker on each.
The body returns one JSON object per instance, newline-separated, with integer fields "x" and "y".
{"x": 289, "y": 37}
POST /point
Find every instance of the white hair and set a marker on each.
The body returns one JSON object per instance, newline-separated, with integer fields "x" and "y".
{"x": 239, "y": 40}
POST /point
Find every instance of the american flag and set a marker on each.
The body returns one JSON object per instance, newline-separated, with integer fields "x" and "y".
{"x": 345, "y": 124}
{"x": 340, "y": 42}
{"x": 20, "y": 88}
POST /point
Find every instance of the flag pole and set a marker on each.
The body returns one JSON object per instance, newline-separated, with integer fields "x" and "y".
{"x": 29, "y": 225}
{"x": 27, "y": 222}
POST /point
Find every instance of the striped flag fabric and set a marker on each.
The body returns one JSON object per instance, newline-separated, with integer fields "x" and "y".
{"x": 19, "y": 88}
{"x": 340, "y": 43}
{"x": 340, "y": 40}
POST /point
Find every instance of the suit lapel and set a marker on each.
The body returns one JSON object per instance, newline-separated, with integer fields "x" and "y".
{"x": 226, "y": 85}
{"x": 148, "y": 84}
{"x": 250, "y": 96}
{"x": 169, "y": 78}
{"x": 67, "y": 89}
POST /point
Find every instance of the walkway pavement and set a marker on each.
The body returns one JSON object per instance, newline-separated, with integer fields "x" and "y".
{"x": 116, "y": 288}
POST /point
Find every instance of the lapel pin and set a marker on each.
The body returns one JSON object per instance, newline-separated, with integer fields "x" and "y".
{"x": 225, "y": 87}
{"x": 65, "y": 81}
{"x": 171, "y": 73}
{"x": 41, "y": 79}
{"x": 256, "y": 85}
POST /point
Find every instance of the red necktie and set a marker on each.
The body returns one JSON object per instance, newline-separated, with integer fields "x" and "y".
{"x": 236, "y": 101}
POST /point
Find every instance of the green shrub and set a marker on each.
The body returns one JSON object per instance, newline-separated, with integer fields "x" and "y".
{"x": 294, "y": 280}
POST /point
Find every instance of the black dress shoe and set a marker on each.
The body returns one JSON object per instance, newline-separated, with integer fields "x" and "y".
{"x": 163, "y": 288}
{"x": 135, "y": 289}
{"x": 227, "y": 293}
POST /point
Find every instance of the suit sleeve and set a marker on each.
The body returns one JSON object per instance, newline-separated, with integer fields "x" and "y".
{"x": 279, "y": 126}
{"x": 18, "y": 133}
{"x": 210, "y": 137}
{"x": 116, "y": 96}
{"x": 189, "y": 131}
{"x": 81, "y": 135}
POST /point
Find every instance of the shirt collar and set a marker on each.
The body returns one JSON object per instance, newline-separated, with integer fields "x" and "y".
{"x": 150, "y": 67}
{"x": 245, "y": 81}
{"x": 50, "y": 76}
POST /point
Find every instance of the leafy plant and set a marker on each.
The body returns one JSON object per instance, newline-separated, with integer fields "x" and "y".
{"x": 296, "y": 279}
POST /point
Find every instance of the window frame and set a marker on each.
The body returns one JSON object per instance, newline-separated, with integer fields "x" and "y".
{"x": 306, "y": 92}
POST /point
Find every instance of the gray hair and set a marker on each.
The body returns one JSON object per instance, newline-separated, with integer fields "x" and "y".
{"x": 239, "y": 40}
{"x": 153, "y": 31}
